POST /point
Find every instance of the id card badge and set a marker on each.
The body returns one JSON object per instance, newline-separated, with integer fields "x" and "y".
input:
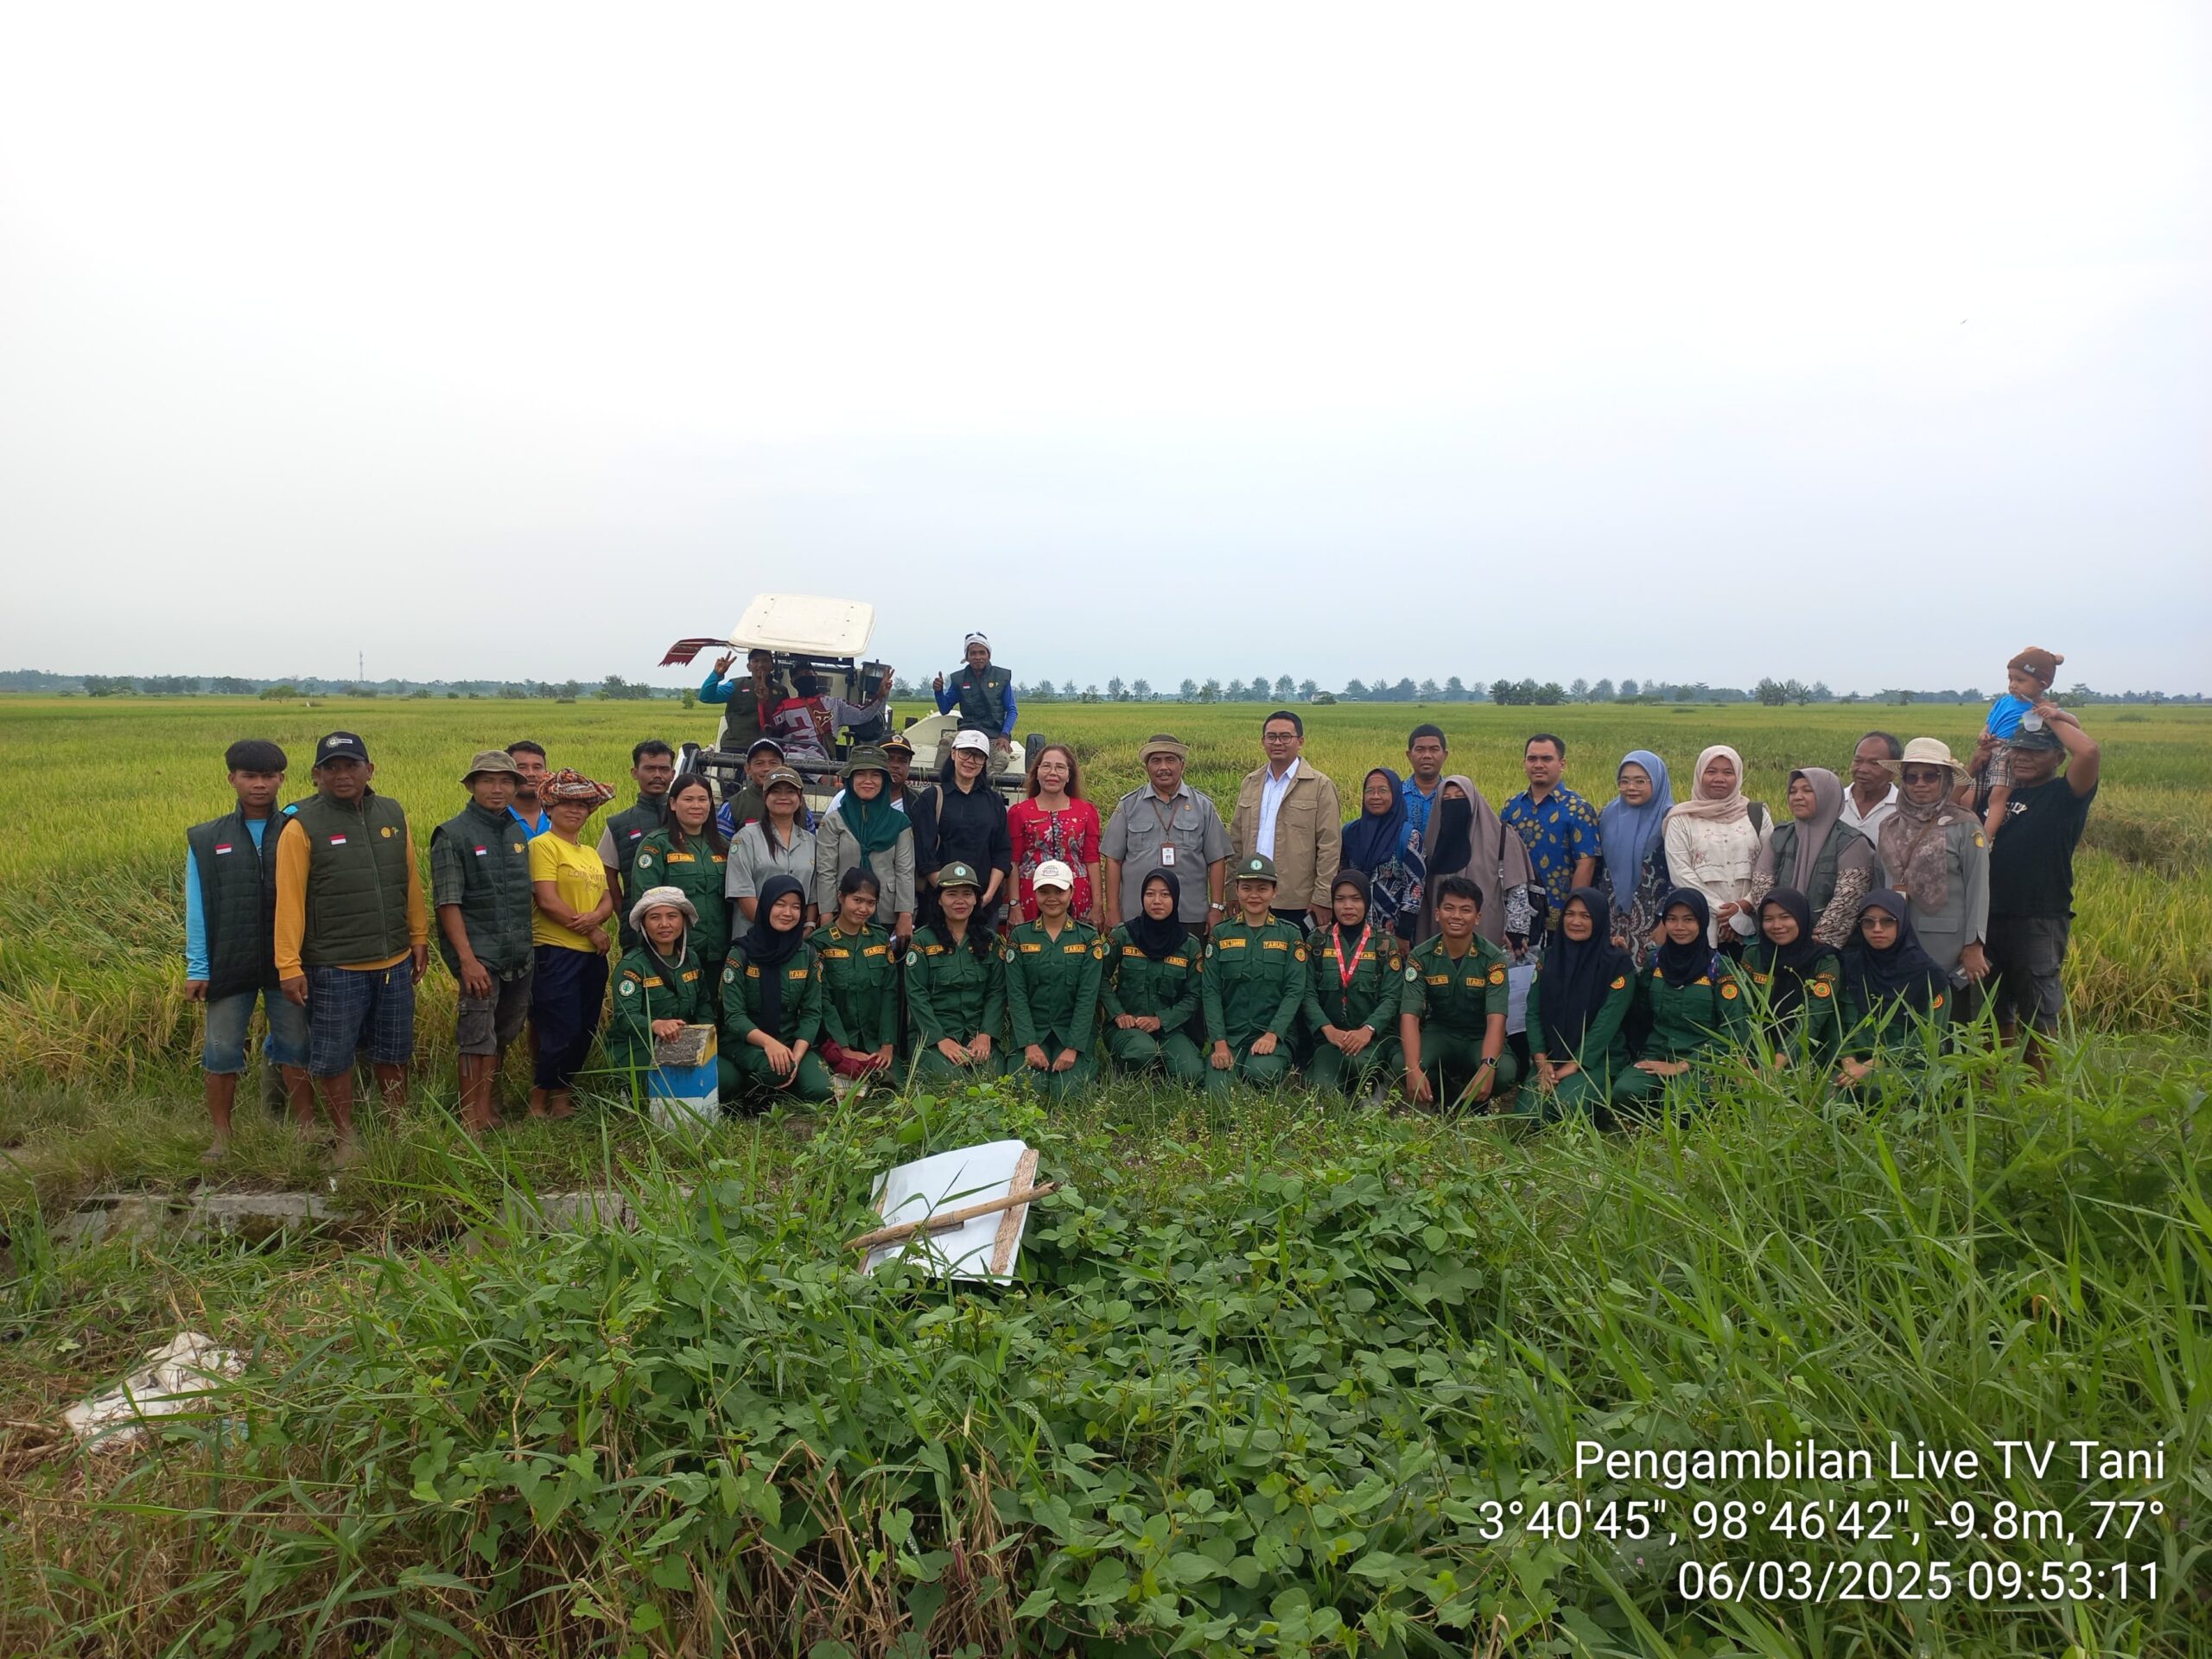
{"x": 1168, "y": 858}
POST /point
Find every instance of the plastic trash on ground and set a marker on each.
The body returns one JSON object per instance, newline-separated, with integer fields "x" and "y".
{"x": 170, "y": 1380}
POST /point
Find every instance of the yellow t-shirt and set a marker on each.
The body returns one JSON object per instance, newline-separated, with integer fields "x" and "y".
{"x": 579, "y": 878}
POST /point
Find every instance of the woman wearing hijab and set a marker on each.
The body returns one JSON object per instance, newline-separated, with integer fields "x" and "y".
{"x": 1791, "y": 977}
{"x": 1697, "y": 1007}
{"x": 1896, "y": 996}
{"x": 866, "y": 829}
{"x": 1466, "y": 838}
{"x": 1150, "y": 991}
{"x": 662, "y": 986}
{"x": 1633, "y": 831}
{"x": 1815, "y": 851}
{"x": 1351, "y": 992}
{"x": 1713, "y": 840}
{"x": 1933, "y": 851}
{"x": 1383, "y": 844}
{"x": 772, "y": 1001}
{"x": 1578, "y": 1006}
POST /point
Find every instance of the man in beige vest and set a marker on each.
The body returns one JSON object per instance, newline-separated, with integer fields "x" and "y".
{"x": 1287, "y": 812}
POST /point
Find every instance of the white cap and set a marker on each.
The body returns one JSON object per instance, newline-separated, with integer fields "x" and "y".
{"x": 1054, "y": 874}
{"x": 976, "y": 640}
{"x": 972, "y": 738}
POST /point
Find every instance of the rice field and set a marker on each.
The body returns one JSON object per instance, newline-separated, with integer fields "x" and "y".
{"x": 91, "y": 900}
{"x": 1275, "y": 1380}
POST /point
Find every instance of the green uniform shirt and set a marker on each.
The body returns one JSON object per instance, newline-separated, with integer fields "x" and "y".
{"x": 952, "y": 992}
{"x": 1456, "y": 996}
{"x": 1254, "y": 982}
{"x": 646, "y": 990}
{"x": 698, "y": 872}
{"x": 802, "y": 1021}
{"x": 1051, "y": 985}
{"x": 1372, "y": 997}
{"x": 1167, "y": 989}
{"x": 1889, "y": 1027}
{"x": 1816, "y": 1025}
{"x": 1604, "y": 1048}
{"x": 860, "y": 988}
{"x": 1688, "y": 1020}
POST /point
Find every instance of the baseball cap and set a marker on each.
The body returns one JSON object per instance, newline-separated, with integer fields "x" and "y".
{"x": 1054, "y": 874}
{"x": 972, "y": 738}
{"x": 761, "y": 743}
{"x": 1258, "y": 868}
{"x": 341, "y": 746}
{"x": 956, "y": 874}
{"x": 2038, "y": 738}
{"x": 896, "y": 743}
{"x": 784, "y": 775}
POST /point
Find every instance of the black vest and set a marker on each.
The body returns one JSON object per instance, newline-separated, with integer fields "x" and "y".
{"x": 357, "y": 881}
{"x": 629, "y": 828}
{"x": 1821, "y": 887}
{"x": 495, "y": 895}
{"x": 982, "y": 698}
{"x": 238, "y": 900}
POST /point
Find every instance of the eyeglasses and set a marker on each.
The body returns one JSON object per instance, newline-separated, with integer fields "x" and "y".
{"x": 1278, "y": 737}
{"x": 1922, "y": 775}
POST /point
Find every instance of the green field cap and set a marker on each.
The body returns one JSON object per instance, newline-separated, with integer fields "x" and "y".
{"x": 956, "y": 874}
{"x": 1258, "y": 868}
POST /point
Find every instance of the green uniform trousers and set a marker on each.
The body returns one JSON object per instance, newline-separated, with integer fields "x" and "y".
{"x": 930, "y": 1066}
{"x": 1171, "y": 1050}
{"x": 1635, "y": 1088}
{"x": 1451, "y": 1061}
{"x": 1332, "y": 1072}
{"x": 1585, "y": 1094}
{"x": 756, "y": 1080}
{"x": 1260, "y": 1070}
{"x": 1055, "y": 1085}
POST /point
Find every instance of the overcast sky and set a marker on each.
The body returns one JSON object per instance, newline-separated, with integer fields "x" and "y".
{"x": 1867, "y": 343}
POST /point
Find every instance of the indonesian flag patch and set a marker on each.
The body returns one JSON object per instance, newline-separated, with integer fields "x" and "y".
{"x": 338, "y": 841}
{"x": 222, "y": 846}
{"x": 482, "y": 851}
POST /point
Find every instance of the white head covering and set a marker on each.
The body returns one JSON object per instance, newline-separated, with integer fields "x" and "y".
{"x": 976, "y": 640}
{"x": 1729, "y": 808}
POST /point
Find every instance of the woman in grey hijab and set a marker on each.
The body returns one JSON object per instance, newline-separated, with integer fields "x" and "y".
{"x": 1815, "y": 851}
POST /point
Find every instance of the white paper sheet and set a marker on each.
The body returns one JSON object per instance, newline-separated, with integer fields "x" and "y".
{"x": 952, "y": 1180}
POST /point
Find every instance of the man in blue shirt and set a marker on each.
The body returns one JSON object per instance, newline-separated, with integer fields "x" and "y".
{"x": 1557, "y": 826}
{"x": 1424, "y": 779}
{"x": 981, "y": 691}
{"x": 230, "y": 940}
{"x": 529, "y": 757}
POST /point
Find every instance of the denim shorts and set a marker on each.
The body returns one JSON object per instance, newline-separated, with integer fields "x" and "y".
{"x": 352, "y": 1009}
{"x": 223, "y": 1051}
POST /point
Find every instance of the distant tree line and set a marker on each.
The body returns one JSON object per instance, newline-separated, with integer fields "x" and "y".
{"x": 1261, "y": 688}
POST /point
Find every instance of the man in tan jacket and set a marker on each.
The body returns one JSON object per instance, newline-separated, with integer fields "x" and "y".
{"x": 1287, "y": 812}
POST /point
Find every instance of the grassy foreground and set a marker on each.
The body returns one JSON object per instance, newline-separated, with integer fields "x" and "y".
{"x": 1273, "y": 1382}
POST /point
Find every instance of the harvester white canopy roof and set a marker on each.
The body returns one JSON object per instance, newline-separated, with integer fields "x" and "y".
{"x": 806, "y": 624}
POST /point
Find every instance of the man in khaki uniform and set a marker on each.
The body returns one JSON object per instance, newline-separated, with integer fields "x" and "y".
{"x": 1287, "y": 813}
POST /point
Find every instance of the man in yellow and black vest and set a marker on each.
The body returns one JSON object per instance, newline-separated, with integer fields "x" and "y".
{"x": 352, "y": 931}
{"x": 983, "y": 694}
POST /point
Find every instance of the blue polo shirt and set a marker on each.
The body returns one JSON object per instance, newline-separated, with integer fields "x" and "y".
{"x": 1418, "y": 805}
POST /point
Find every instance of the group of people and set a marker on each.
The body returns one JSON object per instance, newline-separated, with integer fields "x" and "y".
{"x": 1595, "y": 959}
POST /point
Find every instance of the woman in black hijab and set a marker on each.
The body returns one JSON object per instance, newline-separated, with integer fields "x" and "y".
{"x": 1697, "y": 1007}
{"x": 1792, "y": 978}
{"x": 771, "y": 998}
{"x": 1577, "y": 1004}
{"x": 1151, "y": 986}
{"x": 1896, "y": 999}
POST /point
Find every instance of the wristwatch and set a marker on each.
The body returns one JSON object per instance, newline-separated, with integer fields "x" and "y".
{"x": 1223, "y": 908}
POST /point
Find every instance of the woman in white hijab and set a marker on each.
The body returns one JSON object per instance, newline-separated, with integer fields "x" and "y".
{"x": 1713, "y": 838}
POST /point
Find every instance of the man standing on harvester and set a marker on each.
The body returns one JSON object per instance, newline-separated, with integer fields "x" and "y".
{"x": 983, "y": 693}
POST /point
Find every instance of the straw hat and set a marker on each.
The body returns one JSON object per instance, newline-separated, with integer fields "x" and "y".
{"x": 1927, "y": 751}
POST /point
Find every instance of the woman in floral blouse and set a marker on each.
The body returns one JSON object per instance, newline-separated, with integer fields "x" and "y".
{"x": 1055, "y": 823}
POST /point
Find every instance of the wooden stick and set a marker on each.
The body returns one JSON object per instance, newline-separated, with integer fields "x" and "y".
{"x": 1009, "y": 1233}
{"x": 946, "y": 1220}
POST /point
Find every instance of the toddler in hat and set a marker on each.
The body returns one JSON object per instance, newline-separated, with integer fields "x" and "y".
{"x": 2028, "y": 680}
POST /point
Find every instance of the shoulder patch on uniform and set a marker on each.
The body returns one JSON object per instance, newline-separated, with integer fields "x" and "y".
{"x": 1820, "y": 987}
{"x": 1981, "y": 840}
{"x": 1938, "y": 1001}
{"x": 644, "y": 858}
{"x": 1412, "y": 975}
{"x": 1497, "y": 976}
{"x": 728, "y": 974}
{"x": 1298, "y": 951}
{"x": 1006, "y": 952}
{"x": 629, "y": 987}
{"x": 1098, "y": 950}
{"x": 1729, "y": 992}
{"x": 1619, "y": 981}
